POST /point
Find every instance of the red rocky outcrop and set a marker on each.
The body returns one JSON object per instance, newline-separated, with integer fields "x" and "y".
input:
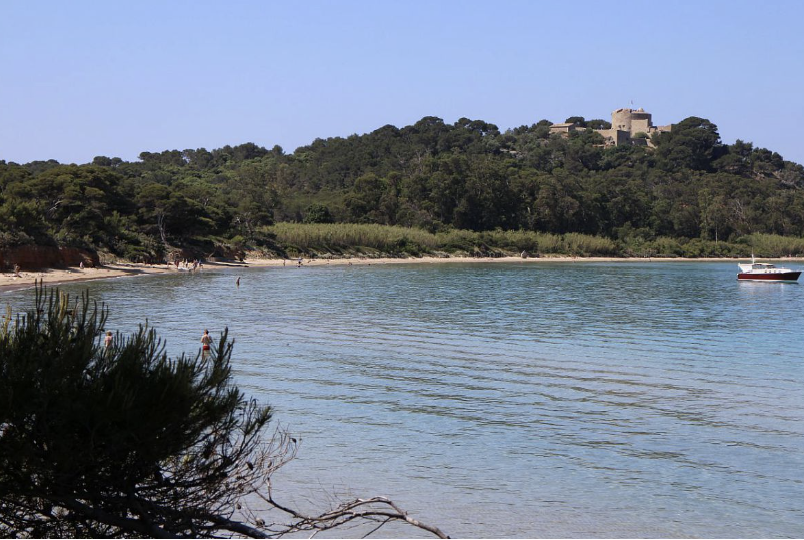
{"x": 34, "y": 257}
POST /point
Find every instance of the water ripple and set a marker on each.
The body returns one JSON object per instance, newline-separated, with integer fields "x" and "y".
{"x": 583, "y": 399}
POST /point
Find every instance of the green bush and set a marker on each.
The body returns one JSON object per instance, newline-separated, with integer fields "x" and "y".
{"x": 117, "y": 440}
{"x": 93, "y": 436}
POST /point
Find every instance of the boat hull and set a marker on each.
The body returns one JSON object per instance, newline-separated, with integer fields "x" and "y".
{"x": 781, "y": 276}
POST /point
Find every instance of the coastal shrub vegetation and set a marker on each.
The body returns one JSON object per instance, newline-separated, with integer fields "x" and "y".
{"x": 357, "y": 238}
{"x": 429, "y": 187}
{"x": 102, "y": 441}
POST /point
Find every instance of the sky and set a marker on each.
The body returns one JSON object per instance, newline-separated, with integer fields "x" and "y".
{"x": 81, "y": 79}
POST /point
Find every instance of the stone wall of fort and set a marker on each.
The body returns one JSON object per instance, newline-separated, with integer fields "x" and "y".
{"x": 625, "y": 123}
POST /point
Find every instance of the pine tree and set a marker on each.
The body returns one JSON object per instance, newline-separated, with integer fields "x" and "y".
{"x": 123, "y": 441}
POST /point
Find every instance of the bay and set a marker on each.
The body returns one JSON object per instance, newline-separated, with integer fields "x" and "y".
{"x": 581, "y": 399}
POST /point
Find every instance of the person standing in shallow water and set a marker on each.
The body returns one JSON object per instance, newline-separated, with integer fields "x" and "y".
{"x": 206, "y": 340}
{"x": 238, "y": 282}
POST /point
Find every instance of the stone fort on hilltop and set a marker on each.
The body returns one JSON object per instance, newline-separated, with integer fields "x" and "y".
{"x": 628, "y": 126}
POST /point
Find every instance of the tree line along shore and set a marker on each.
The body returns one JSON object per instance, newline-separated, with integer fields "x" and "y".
{"x": 431, "y": 188}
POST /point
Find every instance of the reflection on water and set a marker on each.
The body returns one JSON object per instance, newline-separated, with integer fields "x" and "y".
{"x": 523, "y": 400}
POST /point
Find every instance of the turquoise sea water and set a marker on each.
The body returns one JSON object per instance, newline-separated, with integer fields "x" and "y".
{"x": 516, "y": 400}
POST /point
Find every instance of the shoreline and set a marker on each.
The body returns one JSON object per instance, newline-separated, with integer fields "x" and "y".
{"x": 56, "y": 276}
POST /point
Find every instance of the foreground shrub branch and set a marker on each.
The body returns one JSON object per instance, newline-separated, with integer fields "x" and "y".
{"x": 122, "y": 441}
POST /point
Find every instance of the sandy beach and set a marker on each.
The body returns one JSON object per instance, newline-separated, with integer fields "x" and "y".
{"x": 55, "y": 276}
{"x": 52, "y": 276}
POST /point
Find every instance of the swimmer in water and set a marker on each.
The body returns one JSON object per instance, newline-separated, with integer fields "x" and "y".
{"x": 206, "y": 340}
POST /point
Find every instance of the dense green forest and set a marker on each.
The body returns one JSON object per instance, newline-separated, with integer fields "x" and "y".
{"x": 464, "y": 187}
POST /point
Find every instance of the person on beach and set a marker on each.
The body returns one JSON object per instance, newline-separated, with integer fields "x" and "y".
{"x": 107, "y": 341}
{"x": 206, "y": 341}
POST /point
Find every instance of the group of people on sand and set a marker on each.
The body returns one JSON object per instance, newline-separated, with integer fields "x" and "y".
{"x": 188, "y": 266}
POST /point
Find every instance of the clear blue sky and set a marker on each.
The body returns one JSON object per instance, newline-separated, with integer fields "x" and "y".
{"x": 81, "y": 78}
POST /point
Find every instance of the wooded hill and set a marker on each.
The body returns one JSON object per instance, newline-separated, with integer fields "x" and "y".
{"x": 692, "y": 194}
